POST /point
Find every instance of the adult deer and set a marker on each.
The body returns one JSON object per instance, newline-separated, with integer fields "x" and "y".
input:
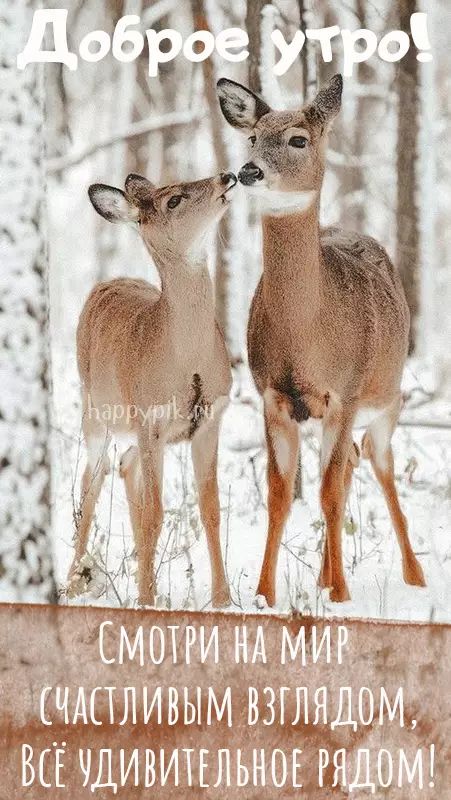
{"x": 157, "y": 361}
{"x": 328, "y": 327}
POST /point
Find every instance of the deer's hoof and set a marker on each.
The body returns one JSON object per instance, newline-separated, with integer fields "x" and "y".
{"x": 414, "y": 575}
{"x": 340, "y": 594}
{"x": 261, "y": 602}
{"x": 73, "y": 587}
{"x": 146, "y": 601}
{"x": 265, "y": 597}
{"x": 221, "y": 598}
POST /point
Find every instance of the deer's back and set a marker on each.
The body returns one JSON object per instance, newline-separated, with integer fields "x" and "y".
{"x": 358, "y": 266}
{"x": 364, "y": 294}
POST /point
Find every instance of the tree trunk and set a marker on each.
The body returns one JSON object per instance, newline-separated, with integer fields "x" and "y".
{"x": 223, "y": 240}
{"x": 408, "y": 239}
{"x": 25, "y": 552}
{"x": 307, "y": 55}
{"x": 353, "y": 184}
{"x": 253, "y": 27}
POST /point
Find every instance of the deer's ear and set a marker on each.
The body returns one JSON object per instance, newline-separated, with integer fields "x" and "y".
{"x": 327, "y": 102}
{"x": 241, "y": 107}
{"x": 112, "y": 203}
{"x": 139, "y": 189}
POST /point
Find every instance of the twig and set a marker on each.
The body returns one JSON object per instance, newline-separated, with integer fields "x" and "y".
{"x": 298, "y": 558}
{"x": 438, "y": 424}
{"x": 256, "y": 481}
{"x": 155, "y": 13}
{"x": 135, "y": 129}
{"x": 226, "y": 558}
{"x": 110, "y": 579}
{"x": 239, "y": 602}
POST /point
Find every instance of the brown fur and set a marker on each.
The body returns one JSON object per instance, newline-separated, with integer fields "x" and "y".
{"x": 328, "y": 326}
{"x": 160, "y": 356}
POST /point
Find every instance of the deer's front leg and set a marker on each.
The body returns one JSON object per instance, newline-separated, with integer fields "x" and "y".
{"x": 97, "y": 467}
{"x": 150, "y": 524}
{"x": 336, "y": 469}
{"x": 204, "y": 451}
{"x": 325, "y": 576}
{"x": 282, "y": 439}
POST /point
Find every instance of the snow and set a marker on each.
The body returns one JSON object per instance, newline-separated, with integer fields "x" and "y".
{"x": 370, "y": 550}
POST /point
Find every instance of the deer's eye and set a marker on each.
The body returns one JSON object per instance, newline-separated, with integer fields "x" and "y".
{"x": 174, "y": 201}
{"x": 298, "y": 141}
{"x": 252, "y": 140}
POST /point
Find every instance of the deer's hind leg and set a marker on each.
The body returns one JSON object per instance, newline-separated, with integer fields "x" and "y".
{"x": 376, "y": 445}
{"x": 146, "y": 520}
{"x": 148, "y": 517}
{"x": 337, "y": 455}
{"x": 282, "y": 438}
{"x": 204, "y": 450}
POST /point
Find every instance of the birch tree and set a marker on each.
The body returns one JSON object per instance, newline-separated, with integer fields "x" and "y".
{"x": 25, "y": 553}
{"x": 222, "y": 273}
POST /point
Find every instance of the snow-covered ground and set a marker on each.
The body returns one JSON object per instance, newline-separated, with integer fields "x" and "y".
{"x": 371, "y": 554}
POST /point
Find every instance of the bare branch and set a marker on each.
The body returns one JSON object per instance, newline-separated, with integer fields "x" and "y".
{"x": 148, "y": 125}
{"x": 156, "y": 12}
{"x": 434, "y": 424}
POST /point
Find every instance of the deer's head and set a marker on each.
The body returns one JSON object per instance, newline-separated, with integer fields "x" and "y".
{"x": 173, "y": 218}
{"x": 287, "y": 148}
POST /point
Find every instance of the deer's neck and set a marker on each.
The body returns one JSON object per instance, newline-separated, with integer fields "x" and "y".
{"x": 292, "y": 264}
{"x": 187, "y": 292}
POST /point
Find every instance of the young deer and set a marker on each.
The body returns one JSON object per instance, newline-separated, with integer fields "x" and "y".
{"x": 328, "y": 328}
{"x": 158, "y": 361}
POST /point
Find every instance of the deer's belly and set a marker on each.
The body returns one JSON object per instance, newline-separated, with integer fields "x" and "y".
{"x": 171, "y": 407}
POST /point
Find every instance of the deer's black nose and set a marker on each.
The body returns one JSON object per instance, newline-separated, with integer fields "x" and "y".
{"x": 228, "y": 179}
{"x": 250, "y": 173}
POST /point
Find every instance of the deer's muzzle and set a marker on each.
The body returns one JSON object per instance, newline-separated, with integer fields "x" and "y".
{"x": 250, "y": 174}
